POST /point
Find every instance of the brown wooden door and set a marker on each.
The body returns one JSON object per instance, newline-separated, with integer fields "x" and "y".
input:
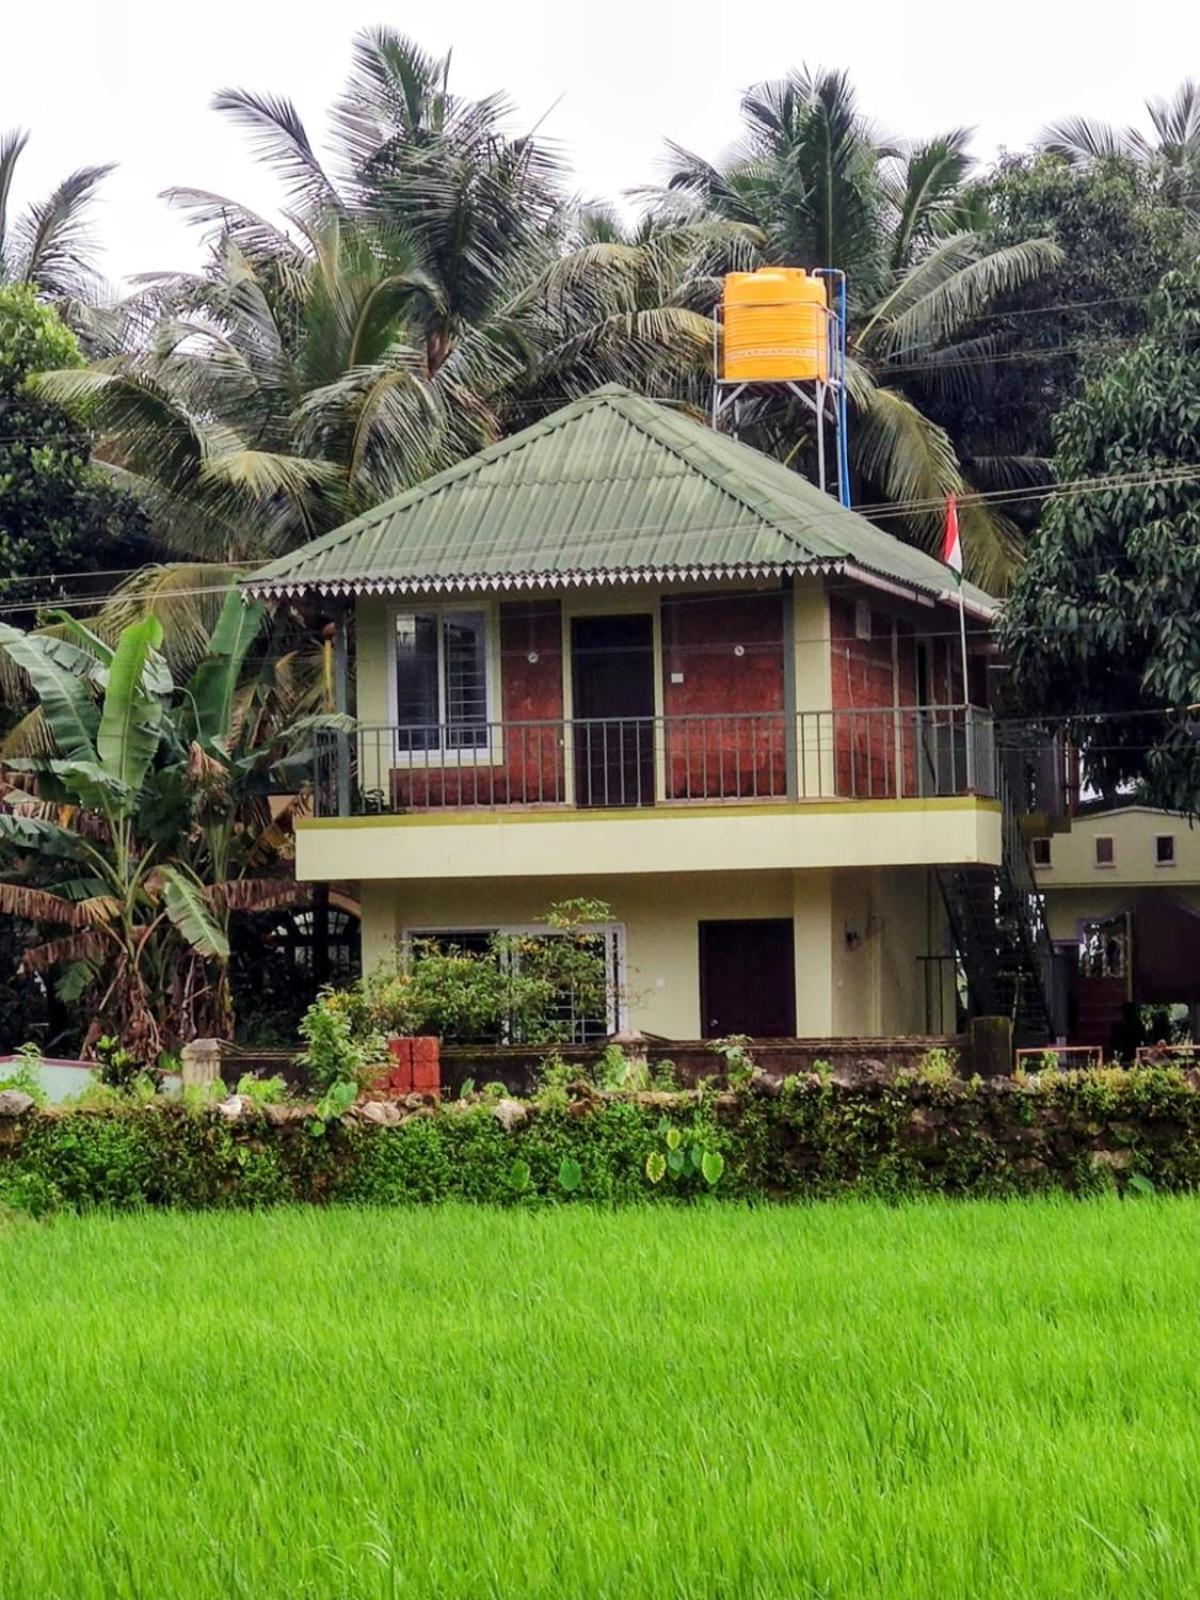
{"x": 612, "y": 677}
{"x": 748, "y": 978}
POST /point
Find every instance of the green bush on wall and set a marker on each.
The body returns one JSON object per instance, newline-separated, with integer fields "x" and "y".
{"x": 805, "y": 1139}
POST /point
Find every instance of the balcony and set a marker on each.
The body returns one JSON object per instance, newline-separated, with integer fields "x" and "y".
{"x": 635, "y": 763}
{"x": 601, "y": 798}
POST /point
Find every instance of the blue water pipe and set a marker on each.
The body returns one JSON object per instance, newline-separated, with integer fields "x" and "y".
{"x": 838, "y": 364}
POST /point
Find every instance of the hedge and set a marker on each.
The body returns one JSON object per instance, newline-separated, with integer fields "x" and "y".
{"x": 805, "y": 1138}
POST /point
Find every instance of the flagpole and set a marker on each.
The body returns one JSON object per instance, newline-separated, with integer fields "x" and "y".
{"x": 952, "y": 559}
{"x": 962, "y": 634}
{"x": 968, "y": 719}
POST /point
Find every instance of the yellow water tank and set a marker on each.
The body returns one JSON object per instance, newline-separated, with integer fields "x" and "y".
{"x": 776, "y": 326}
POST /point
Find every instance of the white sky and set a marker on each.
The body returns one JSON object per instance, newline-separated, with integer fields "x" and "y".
{"x": 130, "y": 81}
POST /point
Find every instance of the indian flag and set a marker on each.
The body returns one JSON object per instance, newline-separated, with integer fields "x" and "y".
{"x": 952, "y": 544}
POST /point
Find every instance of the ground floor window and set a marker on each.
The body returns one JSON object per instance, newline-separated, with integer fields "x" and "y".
{"x": 583, "y": 1020}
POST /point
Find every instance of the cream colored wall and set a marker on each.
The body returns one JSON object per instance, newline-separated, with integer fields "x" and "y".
{"x": 1132, "y": 830}
{"x": 875, "y": 989}
{"x": 814, "y": 683}
{"x": 878, "y": 981}
{"x": 660, "y": 917}
{"x": 1067, "y": 908}
{"x": 372, "y": 662}
{"x": 658, "y": 839}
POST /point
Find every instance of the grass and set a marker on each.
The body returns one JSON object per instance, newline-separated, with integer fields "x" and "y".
{"x": 931, "y": 1401}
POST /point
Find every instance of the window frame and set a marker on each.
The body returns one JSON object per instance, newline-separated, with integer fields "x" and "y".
{"x": 490, "y": 752}
{"x": 1098, "y": 840}
{"x": 1161, "y": 838}
{"x": 615, "y": 956}
{"x": 1042, "y": 839}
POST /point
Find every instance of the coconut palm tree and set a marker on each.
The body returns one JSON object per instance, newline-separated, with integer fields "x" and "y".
{"x": 432, "y": 294}
{"x": 1173, "y": 153}
{"x": 48, "y": 246}
{"x": 144, "y": 822}
{"x": 819, "y": 186}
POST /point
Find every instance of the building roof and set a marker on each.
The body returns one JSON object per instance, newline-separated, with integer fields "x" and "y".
{"x": 613, "y": 488}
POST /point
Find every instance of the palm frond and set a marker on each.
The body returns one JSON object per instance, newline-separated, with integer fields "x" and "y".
{"x": 906, "y": 458}
{"x": 280, "y": 138}
{"x": 1177, "y": 121}
{"x": 932, "y": 176}
{"x": 1081, "y": 140}
{"x": 951, "y": 287}
{"x": 258, "y": 894}
{"x": 186, "y": 600}
{"x": 53, "y": 242}
{"x": 12, "y": 144}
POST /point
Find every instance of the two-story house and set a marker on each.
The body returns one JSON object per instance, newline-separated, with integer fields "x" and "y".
{"x": 624, "y": 657}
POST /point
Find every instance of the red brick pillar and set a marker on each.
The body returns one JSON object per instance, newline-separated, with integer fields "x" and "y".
{"x": 416, "y": 1066}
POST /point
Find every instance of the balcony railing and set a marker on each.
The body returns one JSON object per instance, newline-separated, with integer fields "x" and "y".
{"x": 897, "y": 752}
{"x": 634, "y": 762}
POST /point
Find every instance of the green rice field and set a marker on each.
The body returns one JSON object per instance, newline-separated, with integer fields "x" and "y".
{"x": 939, "y": 1400}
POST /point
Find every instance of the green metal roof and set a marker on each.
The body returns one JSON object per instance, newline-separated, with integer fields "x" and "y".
{"x": 613, "y": 488}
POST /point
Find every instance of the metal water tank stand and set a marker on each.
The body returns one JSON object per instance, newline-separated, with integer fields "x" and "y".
{"x": 824, "y": 397}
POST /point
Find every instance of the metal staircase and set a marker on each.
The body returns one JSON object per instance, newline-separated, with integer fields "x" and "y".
{"x": 998, "y": 921}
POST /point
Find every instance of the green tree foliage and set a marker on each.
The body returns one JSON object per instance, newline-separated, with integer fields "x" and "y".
{"x": 144, "y": 822}
{"x": 1105, "y": 614}
{"x": 57, "y": 512}
{"x": 1118, "y": 235}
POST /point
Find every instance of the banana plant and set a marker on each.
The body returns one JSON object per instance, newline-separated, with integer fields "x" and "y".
{"x": 149, "y": 821}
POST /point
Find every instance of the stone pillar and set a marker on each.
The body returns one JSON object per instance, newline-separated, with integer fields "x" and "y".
{"x": 201, "y": 1062}
{"x": 991, "y": 1046}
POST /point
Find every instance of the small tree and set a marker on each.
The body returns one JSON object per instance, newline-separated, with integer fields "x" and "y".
{"x": 1103, "y": 625}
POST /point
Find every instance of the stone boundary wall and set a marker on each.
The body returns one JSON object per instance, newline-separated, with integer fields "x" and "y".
{"x": 855, "y": 1130}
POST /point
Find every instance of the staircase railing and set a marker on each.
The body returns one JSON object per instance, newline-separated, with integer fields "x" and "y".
{"x": 1027, "y": 901}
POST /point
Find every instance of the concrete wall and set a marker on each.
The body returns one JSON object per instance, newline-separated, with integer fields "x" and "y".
{"x": 654, "y": 839}
{"x": 872, "y": 985}
{"x": 1133, "y": 830}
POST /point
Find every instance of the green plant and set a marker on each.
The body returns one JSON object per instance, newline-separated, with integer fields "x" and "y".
{"x": 262, "y": 1091}
{"x": 662, "y": 1075}
{"x": 938, "y": 1065}
{"x": 739, "y": 1063}
{"x": 616, "y": 1071}
{"x": 685, "y": 1154}
{"x": 143, "y": 820}
{"x": 117, "y": 1068}
{"x": 554, "y": 1077}
{"x": 335, "y": 1054}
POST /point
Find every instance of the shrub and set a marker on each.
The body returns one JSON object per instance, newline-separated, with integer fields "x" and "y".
{"x": 531, "y": 988}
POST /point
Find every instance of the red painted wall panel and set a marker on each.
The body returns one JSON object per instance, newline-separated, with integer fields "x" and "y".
{"x": 725, "y": 725}
{"x": 531, "y": 708}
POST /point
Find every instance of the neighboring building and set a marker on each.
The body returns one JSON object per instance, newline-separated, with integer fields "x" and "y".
{"x": 621, "y": 656}
{"x": 1122, "y": 894}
